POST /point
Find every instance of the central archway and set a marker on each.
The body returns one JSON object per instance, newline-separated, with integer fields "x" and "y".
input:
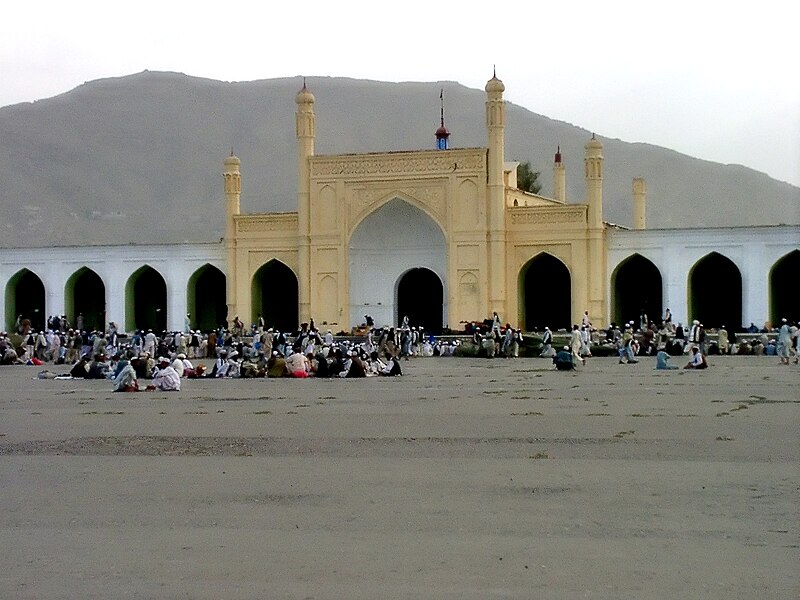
{"x": 420, "y": 297}
{"x": 546, "y": 294}
{"x": 275, "y": 296}
{"x": 392, "y": 241}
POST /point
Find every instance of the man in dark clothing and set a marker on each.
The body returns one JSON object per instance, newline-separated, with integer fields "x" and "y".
{"x": 563, "y": 360}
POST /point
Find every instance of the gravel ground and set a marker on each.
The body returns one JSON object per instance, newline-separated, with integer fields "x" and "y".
{"x": 465, "y": 478}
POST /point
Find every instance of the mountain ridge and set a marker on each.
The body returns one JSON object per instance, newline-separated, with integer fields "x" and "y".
{"x": 138, "y": 158}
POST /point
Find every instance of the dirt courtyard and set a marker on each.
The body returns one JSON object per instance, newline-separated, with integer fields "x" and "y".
{"x": 465, "y": 478}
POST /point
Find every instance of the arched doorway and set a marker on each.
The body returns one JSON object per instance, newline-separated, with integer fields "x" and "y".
{"x": 205, "y": 298}
{"x": 388, "y": 243}
{"x": 783, "y": 288}
{"x": 636, "y": 285}
{"x": 85, "y": 296}
{"x": 25, "y": 298}
{"x": 546, "y": 294}
{"x": 715, "y": 292}
{"x": 275, "y": 296}
{"x": 146, "y": 300}
{"x": 420, "y": 297}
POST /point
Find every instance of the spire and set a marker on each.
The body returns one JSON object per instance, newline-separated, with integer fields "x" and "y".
{"x": 558, "y": 155}
{"x": 442, "y": 134}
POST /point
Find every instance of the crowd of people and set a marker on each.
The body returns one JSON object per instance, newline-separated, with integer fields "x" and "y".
{"x": 256, "y": 351}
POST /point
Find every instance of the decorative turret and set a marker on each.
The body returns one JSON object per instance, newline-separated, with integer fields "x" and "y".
{"x": 559, "y": 178}
{"x": 639, "y": 203}
{"x": 305, "y": 118}
{"x": 442, "y": 134}
{"x": 233, "y": 189}
{"x": 593, "y": 164}
{"x": 495, "y": 128}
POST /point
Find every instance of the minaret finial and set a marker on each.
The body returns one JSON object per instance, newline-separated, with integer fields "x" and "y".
{"x": 304, "y": 82}
{"x": 494, "y": 70}
{"x": 231, "y": 150}
{"x": 442, "y": 134}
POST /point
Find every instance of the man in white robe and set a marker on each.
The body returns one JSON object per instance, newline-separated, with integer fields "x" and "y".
{"x": 165, "y": 378}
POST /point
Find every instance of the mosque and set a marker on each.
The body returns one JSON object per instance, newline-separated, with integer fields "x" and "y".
{"x": 443, "y": 236}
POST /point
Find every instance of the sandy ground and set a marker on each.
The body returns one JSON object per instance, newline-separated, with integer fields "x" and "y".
{"x": 465, "y": 478}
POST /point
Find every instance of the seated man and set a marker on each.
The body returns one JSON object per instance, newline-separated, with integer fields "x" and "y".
{"x": 99, "y": 368}
{"x": 276, "y": 366}
{"x": 563, "y": 360}
{"x": 80, "y": 370}
{"x": 698, "y": 360}
{"x": 661, "y": 361}
{"x": 165, "y": 378}
{"x": 125, "y": 381}
{"x": 297, "y": 364}
{"x": 392, "y": 368}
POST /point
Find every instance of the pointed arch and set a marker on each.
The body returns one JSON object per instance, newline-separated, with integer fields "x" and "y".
{"x": 85, "y": 297}
{"x": 636, "y": 288}
{"x": 390, "y": 241}
{"x": 275, "y": 296}
{"x": 25, "y": 298}
{"x": 420, "y": 297}
{"x": 715, "y": 292}
{"x": 783, "y": 284}
{"x": 545, "y": 293}
{"x": 146, "y": 300}
{"x": 206, "y": 298}
{"x": 393, "y": 202}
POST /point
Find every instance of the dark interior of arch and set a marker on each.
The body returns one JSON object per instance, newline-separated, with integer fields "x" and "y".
{"x": 275, "y": 297}
{"x": 715, "y": 293}
{"x": 86, "y": 295}
{"x": 420, "y": 297}
{"x": 637, "y": 290}
{"x": 784, "y": 287}
{"x": 206, "y": 299}
{"x": 546, "y": 294}
{"x": 25, "y": 296}
{"x": 150, "y": 300}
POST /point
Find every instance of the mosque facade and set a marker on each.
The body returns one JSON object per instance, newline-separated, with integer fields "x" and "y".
{"x": 443, "y": 236}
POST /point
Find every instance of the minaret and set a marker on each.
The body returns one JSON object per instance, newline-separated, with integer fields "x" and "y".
{"x": 594, "y": 182}
{"x": 596, "y": 253}
{"x": 559, "y": 178}
{"x": 442, "y": 134}
{"x": 233, "y": 191}
{"x": 496, "y": 224}
{"x": 305, "y": 129}
{"x": 639, "y": 203}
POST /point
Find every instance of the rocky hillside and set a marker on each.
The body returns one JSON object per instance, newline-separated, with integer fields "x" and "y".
{"x": 138, "y": 159}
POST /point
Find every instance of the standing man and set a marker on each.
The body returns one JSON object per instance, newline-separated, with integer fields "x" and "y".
{"x": 784, "y": 342}
{"x": 547, "y": 344}
{"x": 575, "y": 343}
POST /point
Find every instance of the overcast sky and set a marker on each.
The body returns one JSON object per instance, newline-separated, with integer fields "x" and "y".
{"x": 719, "y": 81}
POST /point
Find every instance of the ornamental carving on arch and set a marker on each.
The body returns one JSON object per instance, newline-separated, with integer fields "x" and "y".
{"x": 263, "y": 223}
{"x": 430, "y": 162}
{"x": 366, "y": 199}
{"x": 534, "y": 216}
